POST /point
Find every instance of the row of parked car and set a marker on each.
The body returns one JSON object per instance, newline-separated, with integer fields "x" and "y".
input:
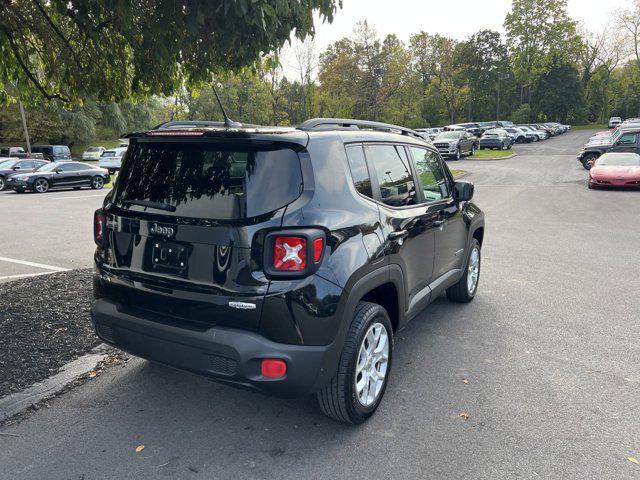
{"x": 455, "y": 141}
{"x": 613, "y": 156}
{"x": 48, "y": 167}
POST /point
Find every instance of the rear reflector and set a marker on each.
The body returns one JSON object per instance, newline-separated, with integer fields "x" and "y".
{"x": 290, "y": 254}
{"x": 273, "y": 368}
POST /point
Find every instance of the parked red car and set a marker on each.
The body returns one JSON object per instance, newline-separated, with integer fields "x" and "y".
{"x": 619, "y": 169}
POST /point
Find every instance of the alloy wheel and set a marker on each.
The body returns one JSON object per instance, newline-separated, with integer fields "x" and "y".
{"x": 473, "y": 270}
{"x": 1, "y": 183}
{"x": 372, "y": 363}
{"x": 41, "y": 185}
{"x": 97, "y": 183}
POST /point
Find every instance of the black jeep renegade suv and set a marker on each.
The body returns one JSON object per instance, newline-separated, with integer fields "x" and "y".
{"x": 281, "y": 259}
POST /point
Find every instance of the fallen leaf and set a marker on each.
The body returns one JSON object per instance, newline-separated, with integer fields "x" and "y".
{"x": 464, "y": 415}
{"x": 92, "y": 374}
{"x": 465, "y": 381}
{"x": 633, "y": 460}
{"x": 139, "y": 448}
{"x": 588, "y": 371}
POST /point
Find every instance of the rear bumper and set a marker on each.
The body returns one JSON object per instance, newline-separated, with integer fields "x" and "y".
{"x": 228, "y": 355}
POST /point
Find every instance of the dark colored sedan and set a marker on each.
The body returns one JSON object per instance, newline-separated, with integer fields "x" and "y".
{"x": 11, "y": 167}
{"x": 496, "y": 139}
{"x": 60, "y": 175}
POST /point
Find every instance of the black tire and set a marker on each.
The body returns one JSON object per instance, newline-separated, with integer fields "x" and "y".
{"x": 97, "y": 183}
{"x": 509, "y": 147}
{"x": 458, "y": 155}
{"x": 520, "y": 140}
{"x": 77, "y": 188}
{"x": 473, "y": 150}
{"x": 338, "y": 399}
{"x": 19, "y": 190}
{"x": 460, "y": 291}
{"x": 587, "y": 161}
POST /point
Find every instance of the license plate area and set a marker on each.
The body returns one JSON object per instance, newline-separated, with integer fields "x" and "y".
{"x": 168, "y": 257}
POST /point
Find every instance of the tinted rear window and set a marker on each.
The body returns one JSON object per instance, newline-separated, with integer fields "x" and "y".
{"x": 209, "y": 181}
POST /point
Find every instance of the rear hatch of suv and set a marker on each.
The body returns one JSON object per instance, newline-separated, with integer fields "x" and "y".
{"x": 184, "y": 223}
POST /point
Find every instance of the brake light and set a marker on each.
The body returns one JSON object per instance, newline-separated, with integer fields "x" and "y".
{"x": 290, "y": 254}
{"x": 273, "y": 368}
{"x": 318, "y": 246}
{"x": 175, "y": 133}
{"x": 99, "y": 218}
{"x": 294, "y": 253}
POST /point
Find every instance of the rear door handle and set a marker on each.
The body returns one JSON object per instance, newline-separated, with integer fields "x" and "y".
{"x": 398, "y": 235}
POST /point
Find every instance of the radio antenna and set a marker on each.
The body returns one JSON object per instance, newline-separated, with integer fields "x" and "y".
{"x": 227, "y": 121}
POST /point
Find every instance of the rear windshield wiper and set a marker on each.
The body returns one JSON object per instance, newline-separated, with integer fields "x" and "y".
{"x": 156, "y": 205}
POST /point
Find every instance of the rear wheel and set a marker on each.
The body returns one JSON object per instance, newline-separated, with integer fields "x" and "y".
{"x": 357, "y": 388}
{"x": 465, "y": 290}
{"x": 41, "y": 185}
{"x": 1, "y": 183}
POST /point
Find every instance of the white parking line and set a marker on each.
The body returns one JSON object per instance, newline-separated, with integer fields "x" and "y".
{"x": 25, "y": 275}
{"x": 33, "y": 264}
{"x": 83, "y": 196}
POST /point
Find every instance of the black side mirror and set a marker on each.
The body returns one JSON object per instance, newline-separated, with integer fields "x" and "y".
{"x": 462, "y": 191}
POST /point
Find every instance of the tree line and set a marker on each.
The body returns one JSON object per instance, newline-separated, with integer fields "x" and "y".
{"x": 544, "y": 67}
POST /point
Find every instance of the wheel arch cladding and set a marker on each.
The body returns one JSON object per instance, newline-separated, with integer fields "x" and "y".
{"x": 478, "y": 234}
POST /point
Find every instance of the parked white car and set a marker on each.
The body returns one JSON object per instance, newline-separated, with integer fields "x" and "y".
{"x": 112, "y": 159}
{"x": 93, "y": 153}
{"x": 614, "y": 122}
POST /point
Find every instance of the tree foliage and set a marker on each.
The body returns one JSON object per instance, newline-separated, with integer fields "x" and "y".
{"x": 118, "y": 49}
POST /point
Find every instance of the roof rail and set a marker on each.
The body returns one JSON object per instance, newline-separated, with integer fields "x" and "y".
{"x": 351, "y": 124}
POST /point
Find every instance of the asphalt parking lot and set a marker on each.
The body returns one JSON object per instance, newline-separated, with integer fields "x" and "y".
{"x": 549, "y": 350}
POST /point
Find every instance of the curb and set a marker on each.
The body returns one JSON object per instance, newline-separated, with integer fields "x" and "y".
{"x": 20, "y": 401}
{"x": 490, "y": 159}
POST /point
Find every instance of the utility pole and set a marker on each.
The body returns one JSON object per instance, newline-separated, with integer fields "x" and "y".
{"x": 24, "y": 126}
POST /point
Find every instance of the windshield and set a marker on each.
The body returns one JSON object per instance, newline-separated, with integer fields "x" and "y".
{"x": 48, "y": 167}
{"x": 7, "y": 164}
{"x": 619, "y": 160}
{"x": 93, "y": 149}
{"x": 209, "y": 181}
{"x": 448, "y": 136}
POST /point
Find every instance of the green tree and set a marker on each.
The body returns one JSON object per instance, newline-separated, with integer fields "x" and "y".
{"x": 116, "y": 49}
{"x": 537, "y": 31}
{"x": 562, "y": 93}
{"x": 484, "y": 65}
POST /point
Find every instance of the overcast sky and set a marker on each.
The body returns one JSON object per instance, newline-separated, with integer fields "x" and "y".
{"x": 455, "y": 18}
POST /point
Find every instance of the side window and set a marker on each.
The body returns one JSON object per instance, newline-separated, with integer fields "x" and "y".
{"x": 431, "y": 173}
{"x": 397, "y": 187}
{"x": 359, "y": 171}
{"x": 70, "y": 167}
{"x": 628, "y": 139}
{"x": 25, "y": 165}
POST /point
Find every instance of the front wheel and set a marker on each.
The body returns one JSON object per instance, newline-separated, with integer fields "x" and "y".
{"x": 588, "y": 161}
{"x": 465, "y": 290}
{"x": 473, "y": 150}
{"x": 1, "y": 183}
{"x": 357, "y": 388}
{"x": 41, "y": 185}
{"x": 457, "y": 157}
{"x": 97, "y": 183}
